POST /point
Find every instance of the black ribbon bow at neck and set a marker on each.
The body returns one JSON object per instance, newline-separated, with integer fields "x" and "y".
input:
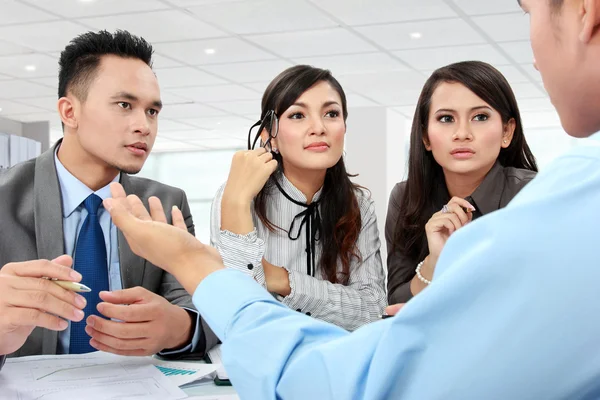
{"x": 311, "y": 219}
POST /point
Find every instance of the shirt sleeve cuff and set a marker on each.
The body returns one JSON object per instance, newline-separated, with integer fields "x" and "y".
{"x": 307, "y": 293}
{"x": 193, "y": 345}
{"x": 243, "y": 253}
{"x": 225, "y": 293}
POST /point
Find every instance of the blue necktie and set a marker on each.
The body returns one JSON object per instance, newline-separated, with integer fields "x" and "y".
{"x": 91, "y": 262}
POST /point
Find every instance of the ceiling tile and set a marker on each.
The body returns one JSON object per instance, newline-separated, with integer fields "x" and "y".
{"x": 169, "y": 99}
{"x": 188, "y": 111}
{"x": 9, "y": 107}
{"x": 407, "y": 111}
{"x": 520, "y": 52}
{"x": 356, "y": 100}
{"x": 7, "y": 48}
{"x": 540, "y": 119}
{"x": 256, "y": 71}
{"x": 189, "y": 3}
{"x": 527, "y": 91}
{"x": 537, "y": 104}
{"x": 45, "y": 66}
{"x": 355, "y": 63}
{"x": 163, "y": 145}
{"x": 221, "y": 143}
{"x": 361, "y": 12}
{"x": 159, "y": 61}
{"x": 19, "y": 89}
{"x": 226, "y": 51}
{"x": 222, "y": 124}
{"x": 447, "y": 32}
{"x": 187, "y": 135}
{"x": 185, "y": 76}
{"x": 389, "y": 88}
{"x": 35, "y": 117}
{"x": 263, "y": 16}
{"x": 5, "y": 77}
{"x": 48, "y": 103}
{"x": 217, "y": 93}
{"x": 486, "y": 7}
{"x": 532, "y": 72}
{"x": 433, "y": 58}
{"x": 77, "y": 9}
{"x": 48, "y": 81}
{"x": 513, "y": 74}
{"x": 505, "y": 27}
{"x": 244, "y": 107}
{"x": 16, "y": 13}
{"x": 45, "y": 36}
{"x": 169, "y": 125}
{"x": 158, "y": 26}
{"x": 320, "y": 42}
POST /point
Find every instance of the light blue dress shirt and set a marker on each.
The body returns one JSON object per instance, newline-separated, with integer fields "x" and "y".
{"x": 74, "y": 192}
{"x": 513, "y": 313}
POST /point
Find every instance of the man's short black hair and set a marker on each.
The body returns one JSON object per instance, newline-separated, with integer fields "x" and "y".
{"x": 79, "y": 61}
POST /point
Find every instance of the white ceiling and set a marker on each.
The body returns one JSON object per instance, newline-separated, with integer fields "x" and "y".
{"x": 212, "y": 99}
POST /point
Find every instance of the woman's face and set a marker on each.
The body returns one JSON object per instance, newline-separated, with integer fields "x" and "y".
{"x": 465, "y": 134}
{"x": 311, "y": 131}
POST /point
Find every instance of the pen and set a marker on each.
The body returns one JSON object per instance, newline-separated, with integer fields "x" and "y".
{"x": 73, "y": 286}
{"x": 384, "y": 316}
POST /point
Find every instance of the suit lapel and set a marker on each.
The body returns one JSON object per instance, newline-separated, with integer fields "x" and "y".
{"x": 47, "y": 211}
{"x": 132, "y": 266}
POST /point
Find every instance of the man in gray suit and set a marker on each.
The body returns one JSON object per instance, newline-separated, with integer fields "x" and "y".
{"x": 109, "y": 102}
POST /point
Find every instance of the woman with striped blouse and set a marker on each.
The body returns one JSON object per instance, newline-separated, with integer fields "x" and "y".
{"x": 290, "y": 217}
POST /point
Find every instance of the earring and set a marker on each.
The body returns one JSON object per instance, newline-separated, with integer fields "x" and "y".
{"x": 276, "y": 150}
{"x": 505, "y": 141}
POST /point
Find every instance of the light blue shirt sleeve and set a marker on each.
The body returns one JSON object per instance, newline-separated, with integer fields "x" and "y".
{"x": 74, "y": 192}
{"x": 512, "y": 313}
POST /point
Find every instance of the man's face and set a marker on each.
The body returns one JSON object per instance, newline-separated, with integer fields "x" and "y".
{"x": 118, "y": 121}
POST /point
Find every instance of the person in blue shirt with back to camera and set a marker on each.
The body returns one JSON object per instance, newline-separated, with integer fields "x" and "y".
{"x": 512, "y": 311}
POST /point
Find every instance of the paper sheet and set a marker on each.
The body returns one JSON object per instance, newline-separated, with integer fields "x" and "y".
{"x": 87, "y": 376}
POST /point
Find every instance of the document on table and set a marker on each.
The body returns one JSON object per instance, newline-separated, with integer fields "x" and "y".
{"x": 87, "y": 376}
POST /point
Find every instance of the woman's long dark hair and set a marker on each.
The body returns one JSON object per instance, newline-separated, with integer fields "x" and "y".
{"x": 340, "y": 214}
{"x": 426, "y": 187}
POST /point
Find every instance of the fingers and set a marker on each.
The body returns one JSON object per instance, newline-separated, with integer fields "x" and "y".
{"x": 121, "y": 330}
{"x": 126, "y": 296}
{"x": 394, "y": 308}
{"x": 57, "y": 269}
{"x": 117, "y": 191}
{"x": 126, "y": 313}
{"x": 120, "y": 215}
{"x": 33, "y": 317}
{"x": 440, "y": 220}
{"x": 157, "y": 211}
{"x": 138, "y": 209}
{"x": 131, "y": 353}
{"x": 457, "y": 210}
{"x": 462, "y": 203}
{"x": 42, "y": 301}
{"x": 177, "y": 218}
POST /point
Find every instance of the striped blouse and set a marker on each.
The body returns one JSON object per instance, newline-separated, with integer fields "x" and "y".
{"x": 349, "y": 306}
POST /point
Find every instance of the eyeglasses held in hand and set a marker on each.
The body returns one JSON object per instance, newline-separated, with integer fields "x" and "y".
{"x": 271, "y": 123}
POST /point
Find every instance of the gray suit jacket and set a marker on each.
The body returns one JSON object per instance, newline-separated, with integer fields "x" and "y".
{"x": 32, "y": 228}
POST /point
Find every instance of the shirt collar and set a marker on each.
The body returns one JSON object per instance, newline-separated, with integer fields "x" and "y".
{"x": 294, "y": 192}
{"x": 73, "y": 191}
{"x": 488, "y": 194}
